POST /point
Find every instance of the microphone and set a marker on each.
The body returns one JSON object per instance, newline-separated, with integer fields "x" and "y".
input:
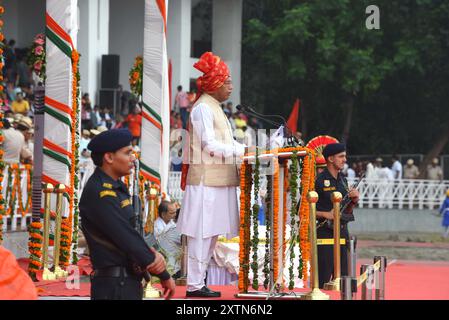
{"x": 267, "y": 115}
{"x": 287, "y": 132}
{"x": 260, "y": 117}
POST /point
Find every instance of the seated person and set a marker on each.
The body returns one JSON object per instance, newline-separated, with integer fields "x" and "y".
{"x": 168, "y": 237}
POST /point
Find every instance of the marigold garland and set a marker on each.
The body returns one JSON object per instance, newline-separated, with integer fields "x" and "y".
{"x": 136, "y": 76}
{"x": 2, "y": 163}
{"x": 2, "y": 167}
{"x": 307, "y": 183}
{"x": 276, "y": 219}
{"x": 284, "y": 218}
{"x": 293, "y": 214}
{"x": 243, "y": 257}
{"x": 35, "y": 248}
{"x": 266, "y": 265}
{"x": 255, "y": 223}
{"x": 67, "y": 234}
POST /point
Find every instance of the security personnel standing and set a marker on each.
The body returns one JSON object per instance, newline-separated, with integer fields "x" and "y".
{"x": 118, "y": 253}
{"x": 327, "y": 182}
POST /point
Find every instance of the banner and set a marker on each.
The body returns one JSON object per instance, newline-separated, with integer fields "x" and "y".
{"x": 155, "y": 95}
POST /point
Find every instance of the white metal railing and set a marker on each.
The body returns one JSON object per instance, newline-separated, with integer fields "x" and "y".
{"x": 403, "y": 193}
{"x": 400, "y": 194}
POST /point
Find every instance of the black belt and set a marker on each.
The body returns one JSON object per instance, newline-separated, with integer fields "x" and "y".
{"x": 114, "y": 272}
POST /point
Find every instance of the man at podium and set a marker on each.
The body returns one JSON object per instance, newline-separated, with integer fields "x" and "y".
{"x": 209, "y": 206}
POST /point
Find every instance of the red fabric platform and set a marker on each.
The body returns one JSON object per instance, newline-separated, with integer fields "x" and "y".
{"x": 405, "y": 280}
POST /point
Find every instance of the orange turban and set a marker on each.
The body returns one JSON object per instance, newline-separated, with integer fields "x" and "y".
{"x": 15, "y": 284}
{"x": 215, "y": 72}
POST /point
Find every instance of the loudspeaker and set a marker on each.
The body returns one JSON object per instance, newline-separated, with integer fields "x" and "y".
{"x": 110, "y": 64}
{"x": 107, "y": 98}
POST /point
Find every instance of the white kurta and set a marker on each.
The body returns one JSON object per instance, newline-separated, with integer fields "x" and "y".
{"x": 210, "y": 211}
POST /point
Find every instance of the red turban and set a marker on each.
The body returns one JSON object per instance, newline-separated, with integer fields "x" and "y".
{"x": 215, "y": 72}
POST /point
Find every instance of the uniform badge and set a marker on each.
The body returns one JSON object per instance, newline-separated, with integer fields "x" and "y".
{"x": 107, "y": 185}
{"x": 105, "y": 193}
{"x": 125, "y": 203}
{"x": 327, "y": 183}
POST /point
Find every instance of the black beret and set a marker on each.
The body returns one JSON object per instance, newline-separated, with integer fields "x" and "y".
{"x": 110, "y": 141}
{"x": 333, "y": 148}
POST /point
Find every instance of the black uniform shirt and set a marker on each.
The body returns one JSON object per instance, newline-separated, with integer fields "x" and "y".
{"x": 325, "y": 185}
{"x": 107, "y": 215}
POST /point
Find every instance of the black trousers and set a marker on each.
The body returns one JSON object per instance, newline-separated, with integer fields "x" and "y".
{"x": 326, "y": 255}
{"x": 116, "y": 288}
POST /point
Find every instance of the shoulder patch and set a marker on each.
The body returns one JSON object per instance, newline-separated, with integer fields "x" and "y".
{"x": 125, "y": 203}
{"x": 105, "y": 193}
{"x": 107, "y": 185}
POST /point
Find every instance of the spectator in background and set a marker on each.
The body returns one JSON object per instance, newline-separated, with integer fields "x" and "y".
{"x": 23, "y": 73}
{"x": 86, "y": 113}
{"x": 396, "y": 168}
{"x": 109, "y": 118}
{"x": 381, "y": 172}
{"x": 95, "y": 117}
{"x": 85, "y": 100}
{"x": 182, "y": 102}
{"x": 85, "y": 139}
{"x": 168, "y": 237}
{"x": 10, "y": 62}
{"x": 134, "y": 122}
{"x": 370, "y": 173}
{"x": 20, "y": 105}
{"x": 23, "y": 126}
{"x": 13, "y": 142}
{"x": 444, "y": 211}
{"x": 410, "y": 170}
{"x": 434, "y": 171}
{"x": 119, "y": 122}
{"x": 352, "y": 171}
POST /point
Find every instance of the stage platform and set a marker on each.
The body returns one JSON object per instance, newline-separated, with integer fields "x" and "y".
{"x": 405, "y": 280}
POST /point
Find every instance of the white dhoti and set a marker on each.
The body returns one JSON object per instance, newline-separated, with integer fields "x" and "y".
{"x": 199, "y": 254}
{"x": 206, "y": 213}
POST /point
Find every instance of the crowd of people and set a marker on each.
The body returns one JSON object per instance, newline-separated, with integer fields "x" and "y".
{"x": 377, "y": 169}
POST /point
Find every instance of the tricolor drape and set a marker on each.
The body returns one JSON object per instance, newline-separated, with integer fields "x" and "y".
{"x": 155, "y": 95}
{"x": 61, "y": 114}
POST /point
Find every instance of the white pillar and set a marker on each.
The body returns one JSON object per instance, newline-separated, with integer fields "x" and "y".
{"x": 93, "y": 42}
{"x": 178, "y": 42}
{"x": 227, "y": 38}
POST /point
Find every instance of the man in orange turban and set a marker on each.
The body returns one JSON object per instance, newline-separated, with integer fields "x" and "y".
{"x": 15, "y": 284}
{"x": 209, "y": 206}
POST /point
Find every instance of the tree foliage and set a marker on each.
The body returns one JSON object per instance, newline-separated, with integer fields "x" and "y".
{"x": 390, "y": 87}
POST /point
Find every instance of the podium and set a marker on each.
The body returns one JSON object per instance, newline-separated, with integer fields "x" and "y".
{"x": 284, "y": 166}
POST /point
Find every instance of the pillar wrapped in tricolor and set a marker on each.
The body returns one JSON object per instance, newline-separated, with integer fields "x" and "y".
{"x": 61, "y": 127}
{"x": 155, "y": 95}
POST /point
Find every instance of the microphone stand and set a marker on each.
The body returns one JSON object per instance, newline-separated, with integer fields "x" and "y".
{"x": 287, "y": 132}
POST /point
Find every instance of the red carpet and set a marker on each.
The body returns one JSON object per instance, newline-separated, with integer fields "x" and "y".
{"x": 405, "y": 280}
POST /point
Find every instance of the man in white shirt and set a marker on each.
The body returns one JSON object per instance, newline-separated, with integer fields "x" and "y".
{"x": 168, "y": 237}
{"x": 209, "y": 207}
{"x": 396, "y": 168}
{"x": 13, "y": 143}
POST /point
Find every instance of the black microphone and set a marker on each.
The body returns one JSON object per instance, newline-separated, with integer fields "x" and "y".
{"x": 267, "y": 115}
{"x": 260, "y": 117}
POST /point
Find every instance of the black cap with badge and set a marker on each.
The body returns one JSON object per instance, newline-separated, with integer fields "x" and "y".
{"x": 110, "y": 141}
